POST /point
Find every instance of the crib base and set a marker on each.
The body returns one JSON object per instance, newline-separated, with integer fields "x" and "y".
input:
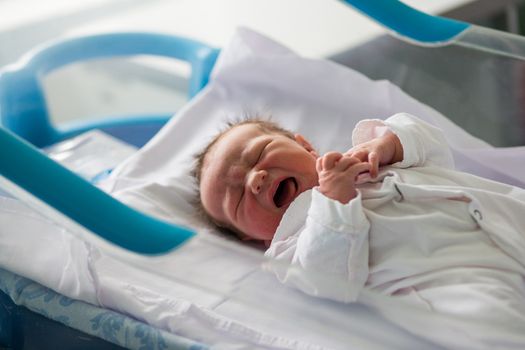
{"x": 21, "y": 328}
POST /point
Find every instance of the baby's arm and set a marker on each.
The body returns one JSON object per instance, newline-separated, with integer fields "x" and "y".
{"x": 337, "y": 175}
{"x": 381, "y": 150}
{"x": 333, "y": 248}
{"x": 327, "y": 255}
{"x": 419, "y": 143}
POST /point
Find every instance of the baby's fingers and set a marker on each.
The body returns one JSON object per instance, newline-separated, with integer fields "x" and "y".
{"x": 359, "y": 168}
{"x": 345, "y": 162}
{"x": 361, "y": 154}
{"x": 329, "y": 160}
{"x": 319, "y": 164}
{"x": 373, "y": 159}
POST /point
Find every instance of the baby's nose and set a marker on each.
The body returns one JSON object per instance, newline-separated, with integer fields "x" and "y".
{"x": 256, "y": 180}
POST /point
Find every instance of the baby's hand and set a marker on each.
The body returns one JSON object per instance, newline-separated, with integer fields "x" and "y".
{"x": 383, "y": 150}
{"x": 337, "y": 175}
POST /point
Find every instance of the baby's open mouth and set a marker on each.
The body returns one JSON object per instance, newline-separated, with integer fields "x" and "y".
{"x": 285, "y": 193}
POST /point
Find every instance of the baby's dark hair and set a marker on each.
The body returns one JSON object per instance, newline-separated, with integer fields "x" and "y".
{"x": 265, "y": 125}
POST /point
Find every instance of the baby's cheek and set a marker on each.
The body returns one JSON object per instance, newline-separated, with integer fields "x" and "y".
{"x": 261, "y": 223}
{"x": 266, "y": 226}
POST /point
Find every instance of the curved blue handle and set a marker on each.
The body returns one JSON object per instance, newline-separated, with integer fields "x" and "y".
{"x": 409, "y": 22}
{"x": 77, "y": 199}
{"x": 56, "y": 54}
{"x": 23, "y": 108}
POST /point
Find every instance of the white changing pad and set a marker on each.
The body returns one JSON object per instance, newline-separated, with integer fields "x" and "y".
{"x": 214, "y": 279}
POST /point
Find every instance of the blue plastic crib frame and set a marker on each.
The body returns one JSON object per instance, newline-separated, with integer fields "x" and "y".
{"x": 23, "y": 111}
{"x": 26, "y": 126}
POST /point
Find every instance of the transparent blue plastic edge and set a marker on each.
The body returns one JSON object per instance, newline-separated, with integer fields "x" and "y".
{"x": 409, "y": 22}
{"x": 80, "y": 201}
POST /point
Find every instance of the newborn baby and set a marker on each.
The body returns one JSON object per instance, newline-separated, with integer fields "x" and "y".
{"x": 251, "y": 173}
{"x": 389, "y": 214}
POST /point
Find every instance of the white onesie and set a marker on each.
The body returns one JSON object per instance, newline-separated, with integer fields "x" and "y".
{"x": 450, "y": 241}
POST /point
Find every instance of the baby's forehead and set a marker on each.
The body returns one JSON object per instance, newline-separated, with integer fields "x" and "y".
{"x": 222, "y": 168}
{"x": 227, "y": 149}
{"x": 235, "y": 139}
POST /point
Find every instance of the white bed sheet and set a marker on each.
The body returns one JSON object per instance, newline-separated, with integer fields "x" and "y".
{"x": 213, "y": 278}
{"x": 218, "y": 295}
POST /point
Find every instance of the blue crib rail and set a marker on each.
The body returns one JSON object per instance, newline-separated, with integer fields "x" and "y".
{"x": 410, "y": 23}
{"x": 24, "y": 115}
{"x": 23, "y": 108}
{"x": 77, "y": 199}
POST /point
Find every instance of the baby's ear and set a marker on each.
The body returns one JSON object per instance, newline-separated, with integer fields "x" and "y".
{"x": 304, "y": 142}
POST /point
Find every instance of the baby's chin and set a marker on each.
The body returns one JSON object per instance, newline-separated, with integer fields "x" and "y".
{"x": 267, "y": 233}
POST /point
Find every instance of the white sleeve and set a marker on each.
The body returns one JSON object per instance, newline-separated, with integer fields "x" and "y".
{"x": 423, "y": 144}
{"x": 331, "y": 255}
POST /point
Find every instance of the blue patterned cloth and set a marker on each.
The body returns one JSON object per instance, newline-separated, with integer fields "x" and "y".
{"x": 103, "y": 323}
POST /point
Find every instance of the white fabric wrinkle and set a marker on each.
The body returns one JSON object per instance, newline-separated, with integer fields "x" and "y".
{"x": 423, "y": 144}
{"x": 337, "y": 217}
{"x": 368, "y": 129}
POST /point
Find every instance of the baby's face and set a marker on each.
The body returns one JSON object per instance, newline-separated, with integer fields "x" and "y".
{"x": 250, "y": 177}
